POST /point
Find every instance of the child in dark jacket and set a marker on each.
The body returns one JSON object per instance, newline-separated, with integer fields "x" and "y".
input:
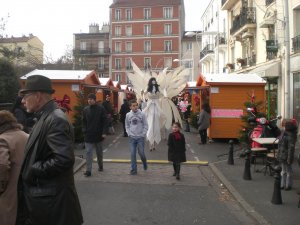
{"x": 176, "y": 150}
{"x": 286, "y": 150}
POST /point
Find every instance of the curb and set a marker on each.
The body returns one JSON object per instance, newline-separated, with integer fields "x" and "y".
{"x": 202, "y": 163}
{"x": 248, "y": 208}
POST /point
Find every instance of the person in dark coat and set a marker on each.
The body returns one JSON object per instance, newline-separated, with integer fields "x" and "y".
{"x": 123, "y": 111}
{"x": 204, "y": 122}
{"x": 176, "y": 148}
{"x": 286, "y": 150}
{"x": 46, "y": 189}
{"x": 108, "y": 127}
{"x": 93, "y": 120}
{"x": 23, "y": 117}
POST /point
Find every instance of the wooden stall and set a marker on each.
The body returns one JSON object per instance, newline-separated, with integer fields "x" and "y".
{"x": 68, "y": 83}
{"x": 226, "y": 94}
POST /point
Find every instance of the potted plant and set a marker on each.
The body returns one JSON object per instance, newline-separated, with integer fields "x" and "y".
{"x": 230, "y": 65}
{"x": 241, "y": 61}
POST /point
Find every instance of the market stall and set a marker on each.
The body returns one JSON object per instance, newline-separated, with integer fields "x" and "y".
{"x": 226, "y": 95}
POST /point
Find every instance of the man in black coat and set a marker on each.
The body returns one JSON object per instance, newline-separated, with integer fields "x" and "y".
{"x": 46, "y": 190}
{"x": 123, "y": 111}
{"x": 93, "y": 120}
{"x": 109, "y": 115}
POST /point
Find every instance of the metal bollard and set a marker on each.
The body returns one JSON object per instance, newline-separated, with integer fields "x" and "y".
{"x": 276, "y": 198}
{"x": 247, "y": 171}
{"x": 230, "y": 154}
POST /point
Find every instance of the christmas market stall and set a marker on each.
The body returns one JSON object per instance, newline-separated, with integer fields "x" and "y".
{"x": 67, "y": 85}
{"x": 226, "y": 95}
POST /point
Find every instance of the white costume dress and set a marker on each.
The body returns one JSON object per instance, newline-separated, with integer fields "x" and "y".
{"x": 155, "y": 117}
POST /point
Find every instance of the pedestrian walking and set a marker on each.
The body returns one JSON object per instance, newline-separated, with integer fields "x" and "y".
{"x": 136, "y": 128}
{"x": 123, "y": 111}
{"x": 46, "y": 189}
{"x": 176, "y": 148}
{"x": 108, "y": 127}
{"x": 93, "y": 120}
{"x": 12, "y": 144}
{"x": 204, "y": 122}
{"x": 286, "y": 150}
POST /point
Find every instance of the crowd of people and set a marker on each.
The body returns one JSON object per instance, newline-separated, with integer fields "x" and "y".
{"x": 37, "y": 149}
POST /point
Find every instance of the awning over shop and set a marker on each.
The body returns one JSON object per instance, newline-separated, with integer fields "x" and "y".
{"x": 271, "y": 70}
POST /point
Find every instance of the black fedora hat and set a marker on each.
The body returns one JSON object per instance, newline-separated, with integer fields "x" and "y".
{"x": 37, "y": 83}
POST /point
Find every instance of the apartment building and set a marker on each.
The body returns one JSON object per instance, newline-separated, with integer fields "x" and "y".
{"x": 213, "y": 56}
{"x": 148, "y": 32}
{"x": 29, "y": 49}
{"x": 264, "y": 38}
{"x": 190, "y": 48}
{"x": 92, "y": 51}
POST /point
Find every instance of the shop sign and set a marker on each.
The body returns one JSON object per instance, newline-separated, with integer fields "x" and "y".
{"x": 226, "y": 113}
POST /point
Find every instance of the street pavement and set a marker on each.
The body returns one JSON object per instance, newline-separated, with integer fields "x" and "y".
{"x": 210, "y": 191}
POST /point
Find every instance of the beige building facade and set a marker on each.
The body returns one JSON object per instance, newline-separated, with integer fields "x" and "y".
{"x": 29, "y": 48}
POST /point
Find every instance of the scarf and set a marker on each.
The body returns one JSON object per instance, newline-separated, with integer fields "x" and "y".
{"x": 177, "y": 136}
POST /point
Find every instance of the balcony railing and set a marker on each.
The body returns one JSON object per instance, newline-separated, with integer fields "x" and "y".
{"x": 296, "y": 44}
{"x": 247, "y": 16}
{"x": 248, "y": 61}
{"x": 206, "y": 50}
{"x": 220, "y": 39}
{"x": 269, "y": 2}
{"x": 92, "y": 51}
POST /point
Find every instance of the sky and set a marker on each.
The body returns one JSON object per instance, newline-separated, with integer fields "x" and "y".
{"x": 55, "y": 21}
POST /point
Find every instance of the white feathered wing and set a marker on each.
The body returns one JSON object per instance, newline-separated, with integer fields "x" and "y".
{"x": 171, "y": 84}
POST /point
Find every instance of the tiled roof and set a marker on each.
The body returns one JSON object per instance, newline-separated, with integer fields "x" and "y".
{"x": 60, "y": 74}
{"x": 124, "y": 3}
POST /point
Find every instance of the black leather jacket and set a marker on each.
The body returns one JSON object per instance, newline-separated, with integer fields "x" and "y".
{"x": 46, "y": 190}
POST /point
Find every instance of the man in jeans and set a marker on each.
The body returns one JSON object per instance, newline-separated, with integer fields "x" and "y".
{"x": 136, "y": 127}
{"x": 93, "y": 120}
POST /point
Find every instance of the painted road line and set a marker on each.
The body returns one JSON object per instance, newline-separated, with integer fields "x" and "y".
{"x": 198, "y": 162}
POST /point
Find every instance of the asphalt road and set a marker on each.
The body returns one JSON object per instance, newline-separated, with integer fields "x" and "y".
{"x": 113, "y": 197}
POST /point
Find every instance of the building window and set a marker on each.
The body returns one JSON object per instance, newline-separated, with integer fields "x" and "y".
{"x": 128, "y": 64}
{"x": 147, "y": 29}
{"x": 168, "y": 12}
{"x": 147, "y": 63}
{"x": 83, "y": 45}
{"x": 118, "y": 64}
{"x": 189, "y": 46}
{"x": 188, "y": 64}
{"x": 168, "y": 46}
{"x": 101, "y": 47}
{"x": 118, "y": 47}
{"x": 147, "y": 13}
{"x": 128, "y": 14}
{"x": 168, "y": 29}
{"x": 101, "y": 64}
{"x": 147, "y": 46}
{"x": 128, "y": 46}
{"x": 128, "y": 30}
{"x": 118, "y": 31}
{"x": 118, "y": 77}
{"x": 118, "y": 14}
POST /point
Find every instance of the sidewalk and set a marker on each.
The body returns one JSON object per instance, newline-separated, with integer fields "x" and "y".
{"x": 255, "y": 195}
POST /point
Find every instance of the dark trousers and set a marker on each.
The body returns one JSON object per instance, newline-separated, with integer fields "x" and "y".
{"x": 203, "y": 136}
{"x": 124, "y": 130}
{"x": 176, "y": 167}
{"x": 187, "y": 125}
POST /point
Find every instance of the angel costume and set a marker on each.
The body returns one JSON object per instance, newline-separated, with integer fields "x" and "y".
{"x": 155, "y": 117}
{"x": 160, "y": 110}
